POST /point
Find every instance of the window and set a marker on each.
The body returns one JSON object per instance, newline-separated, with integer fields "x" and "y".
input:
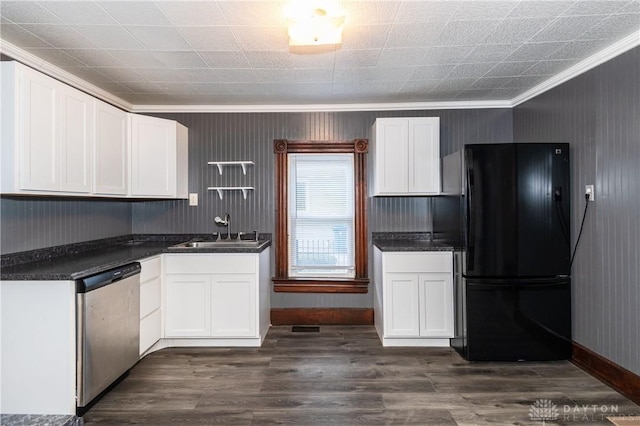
{"x": 320, "y": 240}
{"x": 321, "y": 215}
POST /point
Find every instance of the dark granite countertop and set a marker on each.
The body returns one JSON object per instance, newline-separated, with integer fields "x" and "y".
{"x": 39, "y": 420}
{"x": 408, "y": 241}
{"x": 71, "y": 264}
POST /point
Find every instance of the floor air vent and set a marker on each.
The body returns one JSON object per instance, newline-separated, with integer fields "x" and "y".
{"x": 305, "y": 329}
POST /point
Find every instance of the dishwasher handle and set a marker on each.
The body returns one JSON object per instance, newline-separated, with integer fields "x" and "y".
{"x": 94, "y": 282}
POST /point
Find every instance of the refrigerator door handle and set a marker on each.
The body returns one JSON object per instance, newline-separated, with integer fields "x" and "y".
{"x": 470, "y": 234}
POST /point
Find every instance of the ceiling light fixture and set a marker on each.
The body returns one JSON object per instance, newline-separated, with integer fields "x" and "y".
{"x": 314, "y": 23}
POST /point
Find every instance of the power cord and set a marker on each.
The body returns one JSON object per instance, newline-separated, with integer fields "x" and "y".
{"x": 584, "y": 216}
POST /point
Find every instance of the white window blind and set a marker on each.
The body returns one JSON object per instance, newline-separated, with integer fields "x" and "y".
{"x": 321, "y": 215}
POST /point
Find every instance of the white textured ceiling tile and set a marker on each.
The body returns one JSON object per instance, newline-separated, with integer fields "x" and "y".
{"x": 79, "y": 12}
{"x": 578, "y": 49}
{"x": 176, "y": 88}
{"x": 364, "y": 37}
{"x": 431, "y": 72}
{"x": 247, "y": 88}
{"x": 508, "y": 93}
{"x": 254, "y": 12}
{"x": 14, "y": 33}
{"x": 509, "y": 69}
{"x": 630, "y": 7}
{"x": 357, "y": 58}
{"x": 493, "y": 9}
{"x": 612, "y": 27}
{"x": 421, "y": 11}
{"x": 457, "y": 33}
{"x": 567, "y": 28}
{"x": 261, "y": 38}
{"x": 369, "y": 12}
{"x": 408, "y": 56}
{"x": 448, "y": 54}
{"x": 550, "y": 67}
{"x": 138, "y": 98}
{"x": 192, "y": 13}
{"x": 110, "y": 37}
{"x": 59, "y": 36}
{"x": 113, "y": 87}
{"x": 473, "y": 94}
{"x": 524, "y": 82}
{"x": 135, "y": 59}
{"x": 594, "y": 7}
{"x": 368, "y": 87}
{"x": 490, "y": 53}
{"x": 294, "y": 88}
{"x": 178, "y": 60}
{"x": 534, "y": 51}
{"x": 94, "y": 57}
{"x": 160, "y": 75}
{"x": 56, "y": 57}
{"x": 233, "y": 76}
{"x": 421, "y": 86}
{"x": 23, "y": 12}
{"x": 159, "y": 38}
{"x": 372, "y": 74}
{"x": 469, "y": 70}
{"x": 90, "y": 74}
{"x": 455, "y": 84}
{"x": 120, "y": 74}
{"x": 143, "y": 87}
{"x": 135, "y": 12}
{"x": 516, "y": 30}
{"x": 490, "y": 82}
{"x": 210, "y": 38}
{"x": 225, "y": 59}
{"x": 539, "y": 9}
{"x": 268, "y": 75}
{"x": 287, "y": 61}
{"x": 415, "y": 34}
{"x": 213, "y": 88}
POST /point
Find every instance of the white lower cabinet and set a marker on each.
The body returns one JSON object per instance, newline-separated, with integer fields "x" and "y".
{"x": 150, "y": 302}
{"x": 224, "y": 298}
{"x": 413, "y": 298}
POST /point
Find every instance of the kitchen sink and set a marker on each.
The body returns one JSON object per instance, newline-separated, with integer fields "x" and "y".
{"x": 218, "y": 244}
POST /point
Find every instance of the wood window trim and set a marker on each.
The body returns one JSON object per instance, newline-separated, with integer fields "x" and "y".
{"x": 281, "y": 281}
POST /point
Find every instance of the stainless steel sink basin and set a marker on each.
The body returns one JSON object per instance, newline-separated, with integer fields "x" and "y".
{"x": 218, "y": 244}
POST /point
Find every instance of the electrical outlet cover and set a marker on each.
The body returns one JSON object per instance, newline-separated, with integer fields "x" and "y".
{"x": 589, "y": 190}
{"x": 193, "y": 199}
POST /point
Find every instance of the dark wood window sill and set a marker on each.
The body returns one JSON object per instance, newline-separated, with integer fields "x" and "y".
{"x": 315, "y": 285}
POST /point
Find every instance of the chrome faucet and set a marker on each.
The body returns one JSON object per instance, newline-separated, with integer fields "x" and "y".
{"x": 224, "y": 222}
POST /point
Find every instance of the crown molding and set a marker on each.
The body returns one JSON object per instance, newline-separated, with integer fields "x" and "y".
{"x": 616, "y": 49}
{"x": 322, "y": 107}
{"x": 53, "y": 71}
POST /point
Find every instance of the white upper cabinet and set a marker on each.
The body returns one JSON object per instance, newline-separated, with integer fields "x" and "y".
{"x": 405, "y": 156}
{"x": 46, "y": 134}
{"x": 159, "y": 157}
{"x": 111, "y": 150}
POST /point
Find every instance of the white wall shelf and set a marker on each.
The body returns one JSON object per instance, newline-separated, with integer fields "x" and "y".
{"x": 221, "y": 189}
{"x": 242, "y": 164}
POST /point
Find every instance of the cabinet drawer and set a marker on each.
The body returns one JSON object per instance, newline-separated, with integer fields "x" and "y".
{"x": 219, "y": 263}
{"x": 149, "y": 296}
{"x": 151, "y": 268}
{"x": 418, "y": 262}
{"x": 150, "y": 329}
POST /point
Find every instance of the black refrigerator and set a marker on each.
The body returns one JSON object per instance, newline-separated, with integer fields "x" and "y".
{"x": 505, "y": 208}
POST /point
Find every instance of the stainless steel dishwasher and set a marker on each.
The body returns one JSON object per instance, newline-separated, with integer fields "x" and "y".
{"x": 108, "y": 329}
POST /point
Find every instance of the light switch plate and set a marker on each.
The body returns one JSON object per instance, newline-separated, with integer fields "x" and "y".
{"x": 193, "y": 199}
{"x": 588, "y": 190}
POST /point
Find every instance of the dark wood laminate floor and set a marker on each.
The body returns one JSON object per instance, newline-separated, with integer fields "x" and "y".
{"x": 342, "y": 375}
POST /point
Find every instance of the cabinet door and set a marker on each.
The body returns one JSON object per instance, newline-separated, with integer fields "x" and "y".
{"x": 38, "y": 153}
{"x": 111, "y": 144}
{"x": 424, "y": 155}
{"x": 75, "y": 120}
{"x": 153, "y": 156}
{"x": 233, "y": 300}
{"x": 436, "y": 305}
{"x": 391, "y": 156}
{"x": 188, "y": 305}
{"x": 401, "y": 299}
